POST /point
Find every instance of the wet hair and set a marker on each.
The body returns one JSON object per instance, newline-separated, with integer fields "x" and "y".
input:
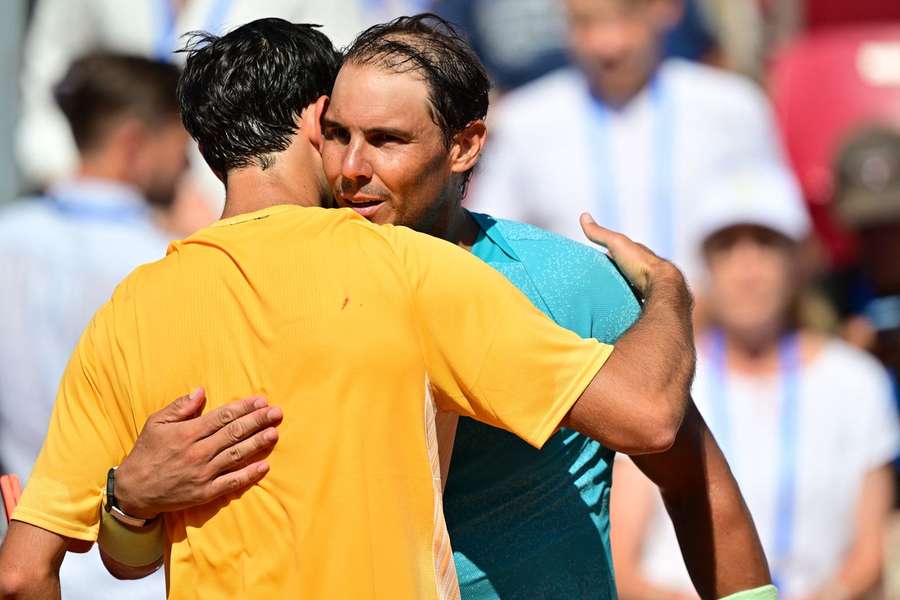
{"x": 101, "y": 87}
{"x": 426, "y": 44}
{"x": 241, "y": 93}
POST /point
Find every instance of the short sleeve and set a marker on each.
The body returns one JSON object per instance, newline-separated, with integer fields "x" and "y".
{"x": 879, "y": 429}
{"x": 490, "y": 354}
{"x": 86, "y": 436}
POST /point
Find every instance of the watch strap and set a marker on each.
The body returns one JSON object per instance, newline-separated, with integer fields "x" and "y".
{"x": 112, "y": 504}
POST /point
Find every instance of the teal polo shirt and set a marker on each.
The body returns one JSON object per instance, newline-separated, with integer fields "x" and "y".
{"x": 528, "y": 523}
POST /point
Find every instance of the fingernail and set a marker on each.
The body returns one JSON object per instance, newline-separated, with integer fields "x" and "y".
{"x": 196, "y": 394}
{"x": 271, "y": 435}
{"x": 273, "y": 414}
{"x": 260, "y": 403}
{"x": 590, "y": 218}
{"x": 262, "y": 467}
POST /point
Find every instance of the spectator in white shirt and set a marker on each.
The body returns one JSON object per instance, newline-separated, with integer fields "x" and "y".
{"x": 62, "y": 254}
{"x": 63, "y": 30}
{"x": 807, "y": 423}
{"x": 625, "y": 135}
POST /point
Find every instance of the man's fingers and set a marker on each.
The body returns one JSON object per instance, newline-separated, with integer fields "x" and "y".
{"x": 599, "y": 234}
{"x": 237, "y": 481}
{"x": 215, "y": 420}
{"x": 242, "y": 429}
{"x": 238, "y": 455}
{"x": 183, "y": 408}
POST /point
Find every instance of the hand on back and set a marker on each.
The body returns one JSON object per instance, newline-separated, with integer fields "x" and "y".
{"x": 183, "y": 459}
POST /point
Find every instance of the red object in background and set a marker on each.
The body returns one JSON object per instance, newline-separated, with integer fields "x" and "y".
{"x": 825, "y": 13}
{"x": 10, "y": 490}
{"x": 824, "y": 86}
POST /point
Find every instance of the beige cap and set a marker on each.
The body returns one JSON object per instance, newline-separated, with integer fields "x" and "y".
{"x": 764, "y": 194}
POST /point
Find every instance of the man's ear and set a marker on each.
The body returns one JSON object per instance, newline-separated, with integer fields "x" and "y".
{"x": 467, "y": 146}
{"x": 312, "y": 121}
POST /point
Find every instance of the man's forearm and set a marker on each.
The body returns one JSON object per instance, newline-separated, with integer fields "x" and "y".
{"x": 636, "y": 402}
{"x": 716, "y": 533}
{"x": 29, "y": 563}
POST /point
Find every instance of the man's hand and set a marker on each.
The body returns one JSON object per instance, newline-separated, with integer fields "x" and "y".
{"x": 638, "y": 263}
{"x": 181, "y": 460}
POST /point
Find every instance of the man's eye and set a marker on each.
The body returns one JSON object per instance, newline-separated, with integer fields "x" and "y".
{"x": 336, "y": 133}
{"x": 384, "y": 138}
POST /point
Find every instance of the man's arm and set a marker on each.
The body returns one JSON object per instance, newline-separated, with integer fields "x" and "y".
{"x": 30, "y": 558}
{"x": 862, "y": 568}
{"x": 645, "y": 383}
{"x": 718, "y": 539}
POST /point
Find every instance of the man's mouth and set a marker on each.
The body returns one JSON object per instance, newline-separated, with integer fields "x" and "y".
{"x": 366, "y": 207}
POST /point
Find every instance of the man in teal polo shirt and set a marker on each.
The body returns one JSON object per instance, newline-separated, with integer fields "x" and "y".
{"x": 405, "y": 127}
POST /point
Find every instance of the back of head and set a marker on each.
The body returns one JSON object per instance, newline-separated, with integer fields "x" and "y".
{"x": 241, "y": 93}
{"x": 101, "y": 89}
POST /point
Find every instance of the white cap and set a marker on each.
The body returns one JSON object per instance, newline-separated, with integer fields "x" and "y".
{"x": 765, "y": 194}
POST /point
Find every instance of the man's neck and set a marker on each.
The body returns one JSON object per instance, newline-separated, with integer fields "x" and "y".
{"x": 756, "y": 352}
{"x": 252, "y": 188}
{"x": 619, "y": 98}
{"x": 458, "y": 228}
{"x": 103, "y": 166}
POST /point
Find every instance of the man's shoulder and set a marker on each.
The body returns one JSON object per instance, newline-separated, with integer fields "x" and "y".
{"x": 25, "y": 219}
{"x": 567, "y": 267}
{"x": 713, "y": 86}
{"x": 543, "y": 94}
{"x": 852, "y": 365}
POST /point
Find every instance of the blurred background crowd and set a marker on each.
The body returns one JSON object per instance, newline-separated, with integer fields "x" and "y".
{"x": 756, "y": 143}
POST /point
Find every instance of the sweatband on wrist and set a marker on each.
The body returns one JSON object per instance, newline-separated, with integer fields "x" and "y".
{"x": 766, "y": 592}
{"x": 131, "y": 546}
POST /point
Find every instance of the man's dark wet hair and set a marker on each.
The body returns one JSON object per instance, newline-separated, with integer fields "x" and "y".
{"x": 241, "y": 93}
{"x": 101, "y": 87}
{"x": 458, "y": 85}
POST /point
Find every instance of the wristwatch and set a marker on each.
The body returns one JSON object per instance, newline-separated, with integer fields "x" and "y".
{"x": 112, "y": 505}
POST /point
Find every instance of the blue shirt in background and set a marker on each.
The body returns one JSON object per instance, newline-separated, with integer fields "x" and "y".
{"x": 527, "y": 523}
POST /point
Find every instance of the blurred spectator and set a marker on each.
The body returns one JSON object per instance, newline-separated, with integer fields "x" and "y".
{"x": 868, "y": 203}
{"x": 12, "y": 29}
{"x": 806, "y": 422}
{"x": 624, "y": 136}
{"x": 518, "y": 40}
{"x": 62, "y": 254}
{"x": 63, "y": 30}
{"x": 521, "y": 40}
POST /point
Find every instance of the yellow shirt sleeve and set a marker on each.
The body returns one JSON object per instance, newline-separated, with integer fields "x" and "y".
{"x": 490, "y": 353}
{"x": 87, "y": 435}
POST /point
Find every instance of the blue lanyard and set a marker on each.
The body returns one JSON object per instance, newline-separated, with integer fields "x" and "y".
{"x": 785, "y": 500}
{"x": 77, "y": 211}
{"x": 166, "y": 25}
{"x": 662, "y": 190}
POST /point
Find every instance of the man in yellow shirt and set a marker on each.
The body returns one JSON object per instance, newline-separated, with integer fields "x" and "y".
{"x": 349, "y": 325}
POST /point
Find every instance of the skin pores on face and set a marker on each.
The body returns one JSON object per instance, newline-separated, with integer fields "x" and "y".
{"x": 383, "y": 154}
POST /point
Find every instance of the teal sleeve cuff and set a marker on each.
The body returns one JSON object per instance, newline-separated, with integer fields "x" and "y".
{"x": 766, "y": 592}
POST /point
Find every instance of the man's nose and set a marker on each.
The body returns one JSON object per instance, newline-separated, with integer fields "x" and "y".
{"x": 356, "y": 165}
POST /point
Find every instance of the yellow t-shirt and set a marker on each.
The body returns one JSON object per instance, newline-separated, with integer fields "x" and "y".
{"x": 337, "y": 321}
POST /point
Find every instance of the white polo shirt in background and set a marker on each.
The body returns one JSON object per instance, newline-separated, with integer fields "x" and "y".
{"x": 550, "y": 157}
{"x": 846, "y": 426}
{"x": 61, "y": 256}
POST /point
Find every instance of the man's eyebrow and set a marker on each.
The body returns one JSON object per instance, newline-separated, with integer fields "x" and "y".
{"x": 383, "y": 130}
{"x": 331, "y": 122}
